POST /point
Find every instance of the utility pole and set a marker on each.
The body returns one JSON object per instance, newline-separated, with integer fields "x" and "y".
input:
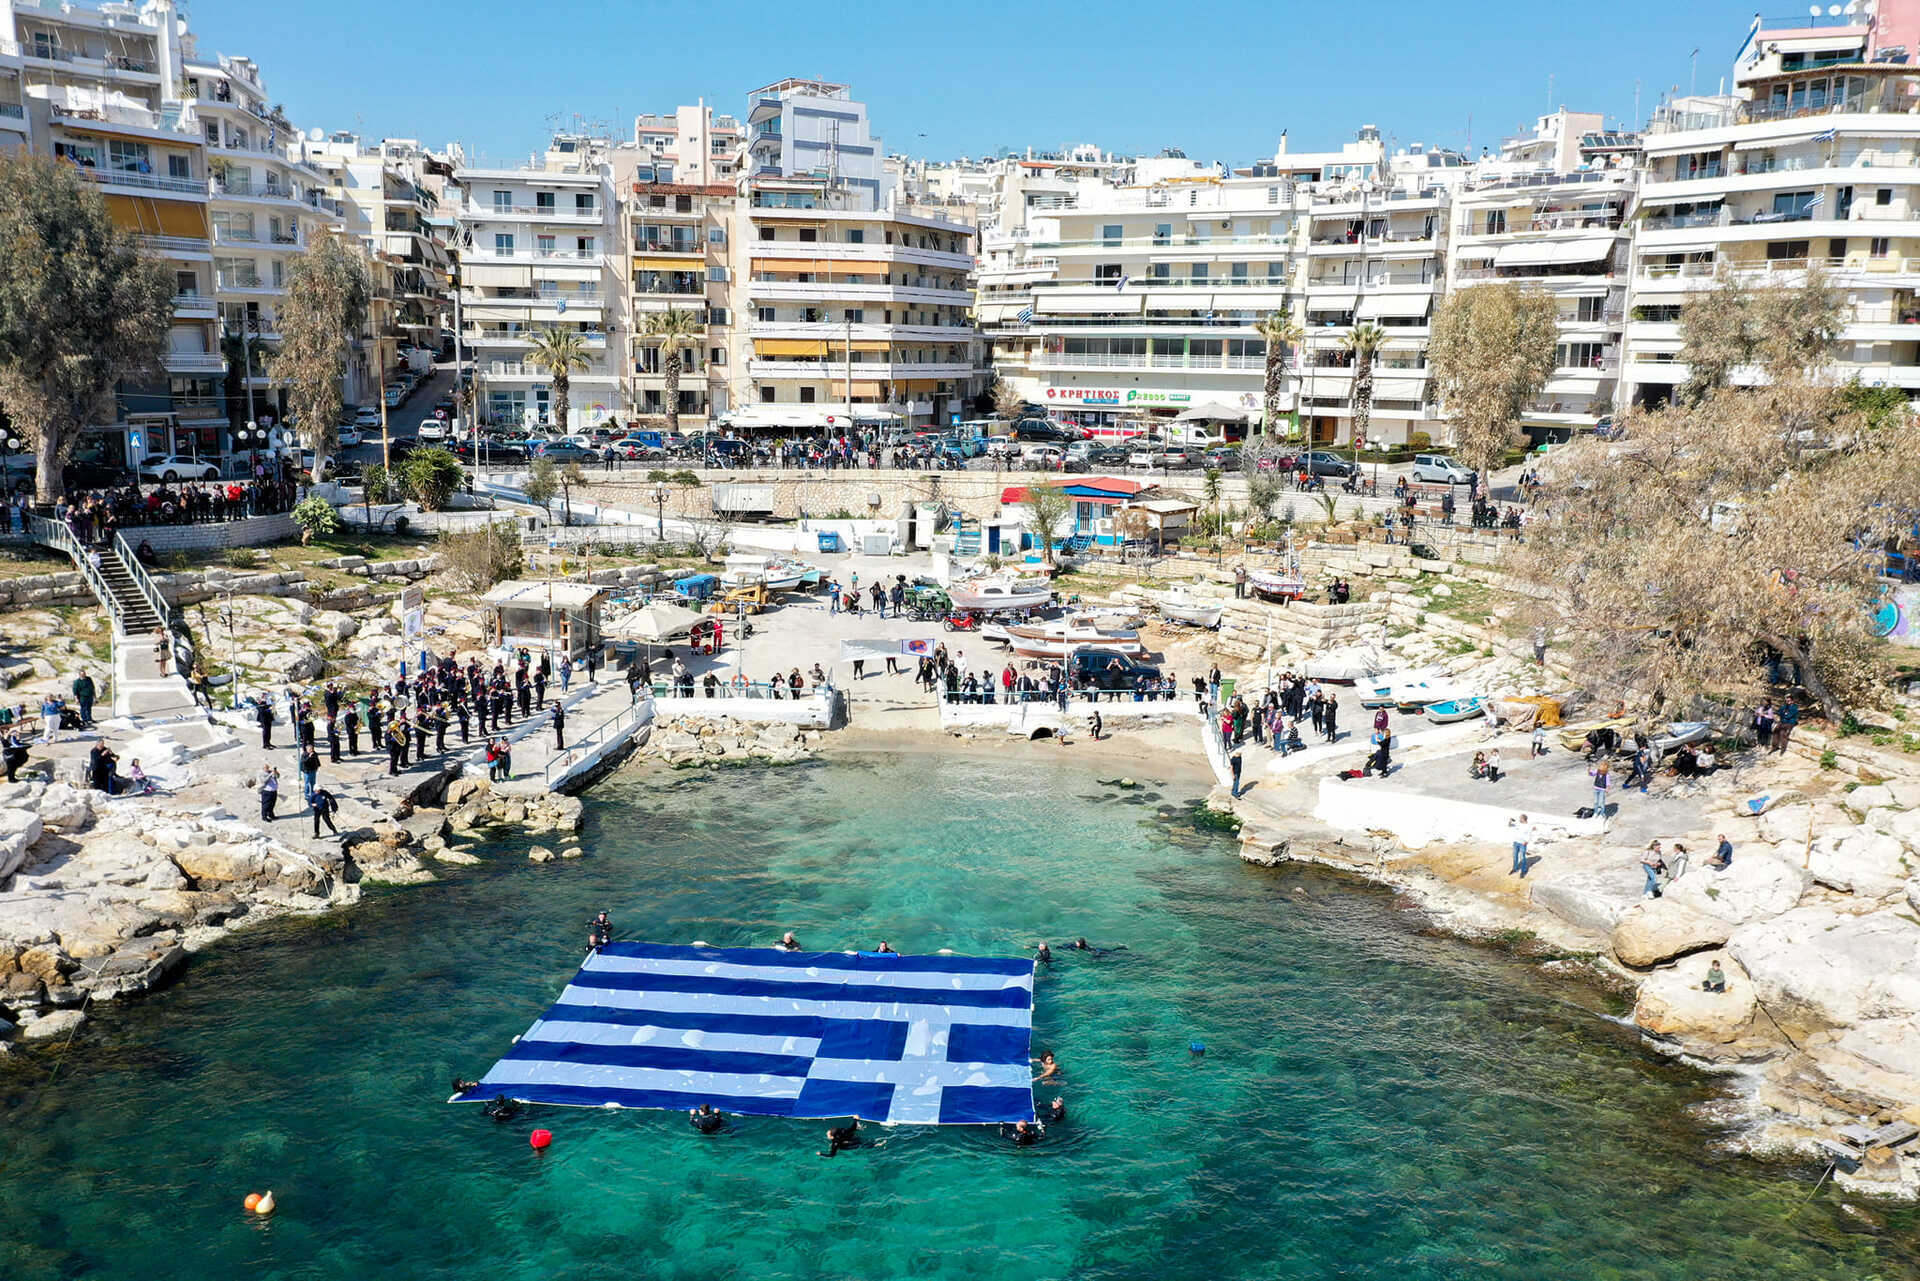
{"x": 849, "y": 374}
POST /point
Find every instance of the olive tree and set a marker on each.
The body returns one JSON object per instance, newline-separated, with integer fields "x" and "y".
{"x": 80, "y": 308}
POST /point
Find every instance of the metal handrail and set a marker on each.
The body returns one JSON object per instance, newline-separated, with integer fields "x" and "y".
{"x": 150, "y": 590}
{"x": 634, "y": 714}
{"x": 54, "y": 534}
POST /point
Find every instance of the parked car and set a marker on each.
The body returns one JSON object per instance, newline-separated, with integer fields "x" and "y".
{"x": 1108, "y": 455}
{"x": 394, "y": 395}
{"x": 560, "y": 454}
{"x": 1441, "y": 470}
{"x": 171, "y": 469}
{"x": 432, "y": 429}
{"x": 1109, "y": 668}
{"x": 1322, "y": 463}
{"x": 348, "y": 435}
{"x": 1041, "y": 457}
{"x": 90, "y": 474}
{"x": 1223, "y": 457}
{"x": 1034, "y": 431}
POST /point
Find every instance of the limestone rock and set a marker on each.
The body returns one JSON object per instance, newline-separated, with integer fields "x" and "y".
{"x": 138, "y": 967}
{"x": 57, "y": 1024}
{"x": 1788, "y": 824}
{"x": 1819, "y": 966}
{"x": 1861, "y": 862}
{"x": 46, "y": 964}
{"x": 1672, "y": 1004}
{"x": 569, "y": 812}
{"x": 1905, "y": 792}
{"x": 572, "y": 851}
{"x": 63, "y": 808}
{"x": 1651, "y": 932}
{"x": 463, "y": 789}
{"x": 165, "y": 874}
{"x": 1862, "y": 800}
{"x": 461, "y": 857}
{"x": 334, "y": 625}
{"x": 109, "y": 923}
{"x": 19, "y": 829}
{"x": 1590, "y": 892}
{"x": 1755, "y": 887}
{"x": 540, "y": 854}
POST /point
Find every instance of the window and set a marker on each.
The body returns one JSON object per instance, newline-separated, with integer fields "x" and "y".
{"x": 681, "y": 204}
{"x": 1239, "y": 272}
{"x": 1162, "y": 233}
{"x": 1276, "y": 272}
{"x": 542, "y": 244}
{"x": 179, "y": 167}
{"x": 1793, "y": 205}
{"x": 502, "y": 201}
{"x": 856, "y": 315}
{"x": 716, "y": 355}
{"x": 1578, "y": 355}
{"x": 1782, "y": 250}
{"x": 543, "y": 201}
{"x": 583, "y": 203}
{"x": 279, "y": 274}
{"x": 1883, "y": 196}
{"x": 583, "y": 245}
{"x": 1837, "y": 247}
{"x": 1878, "y": 246}
{"x": 808, "y": 235}
{"x": 716, "y": 235}
{"x": 1496, "y": 222}
{"x": 1589, "y": 310}
{"x": 1199, "y": 271}
{"x": 856, "y": 236}
{"x": 717, "y": 273}
{"x": 1160, "y": 271}
{"x": 503, "y": 242}
{"x": 718, "y": 316}
{"x": 1107, "y": 271}
{"x": 766, "y": 395}
{"x": 765, "y": 316}
{"x": 769, "y": 233}
{"x": 1110, "y": 234}
{"x": 213, "y": 134}
{"x": 1843, "y": 203}
{"x": 806, "y": 395}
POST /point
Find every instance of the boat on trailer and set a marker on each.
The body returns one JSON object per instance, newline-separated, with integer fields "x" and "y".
{"x": 1179, "y": 605}
{"x": 989, "y": 595}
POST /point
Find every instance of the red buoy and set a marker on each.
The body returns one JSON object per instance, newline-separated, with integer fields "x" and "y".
{"x": 541, "y": 1140}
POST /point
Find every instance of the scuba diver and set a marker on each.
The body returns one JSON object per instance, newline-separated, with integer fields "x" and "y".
{"x": 1054, "y": 1113}
{"x": 706, "y": 1120}
{"x": 1042, "y": 954}
{"x": 1022, "y": 1134}
{"x": 1081, "y": 945}
{"x": 599, "y": 932}
{"x": 503, "y": 1108}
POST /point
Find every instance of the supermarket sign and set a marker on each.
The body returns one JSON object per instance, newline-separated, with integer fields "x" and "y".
{"x": 1116, "y": 396}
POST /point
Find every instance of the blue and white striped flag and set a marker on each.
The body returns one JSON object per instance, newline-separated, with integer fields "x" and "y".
{"x": 1122, "y": 282}
{"x": 928, "y": 1040}
{"x": 1813, "y": 204}
{"x": 1828, "y": 136}
{"x": 1024, "y": 315}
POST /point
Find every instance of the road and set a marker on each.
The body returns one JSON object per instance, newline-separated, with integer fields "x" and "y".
{"x": 404, "y": 423}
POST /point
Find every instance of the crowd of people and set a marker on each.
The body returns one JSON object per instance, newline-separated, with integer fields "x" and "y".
{"x": 95, "y": 516}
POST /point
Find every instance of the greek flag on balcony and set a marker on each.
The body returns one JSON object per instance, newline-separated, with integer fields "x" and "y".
{"x": 927, "y": 1040}
{"x": 1813, "y": 204}
{"x": 1828, "y": 136}
{"x": 1024, "y": 315}
{"x": 1121, "y": 283}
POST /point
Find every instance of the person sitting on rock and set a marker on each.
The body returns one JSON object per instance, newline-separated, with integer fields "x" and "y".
{"x": 1716, "y": 980}
{"x": 1722, "y": 855}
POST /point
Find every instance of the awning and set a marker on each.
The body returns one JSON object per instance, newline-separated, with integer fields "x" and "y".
{"x": 1330, "y": 302}
{"x": 1211, "y": 413}
{"x": 659, "y": 621}
{"x": 149, "y": 216}
{"x": 819, "y": 266}
{"x": 1477, "y": 253}
{"x": 1585, "y": 249}
{"x": 1397, "y": 305}
{"x": 1532, "y": 253}
{"x": 484, "y": 276}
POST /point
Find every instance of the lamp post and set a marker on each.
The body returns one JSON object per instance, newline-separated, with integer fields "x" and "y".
{"x": 660, "y": 512}
{"x": 10, "y": 443}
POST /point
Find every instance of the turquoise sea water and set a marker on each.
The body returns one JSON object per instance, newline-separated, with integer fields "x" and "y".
{"x": 1374, "y": 1101}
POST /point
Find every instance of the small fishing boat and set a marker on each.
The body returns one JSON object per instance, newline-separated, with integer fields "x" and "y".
{"x": 1179, "y": 605}
{"x": 1057, "y": 640}
{"x": 1273, "y": 584}
{"x": 1343, "y": 666}
{"x": 991, "y": 594}
{"x": 1107, "y": 616}
{"x": 778, "y": 573}
{"x": 1456, "y": 709}
{"x": 1676, "y": 734}
{"x": 1398, "y": 688}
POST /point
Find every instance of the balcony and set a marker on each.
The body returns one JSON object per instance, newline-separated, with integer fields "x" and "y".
{"x": 862, "y": 371}
{"x": 195, "y": 362}
{"x": 195, "y": 307}
{"x": 526, "y": 369}
{"x": 478, "y": 255}
{"x": 521, "y": 338}
{"x": 175, "y": 246}
{"x": 229, "y": 283}
{"x": 562, "y": 213}
{"x": 111, "y": 177}
{"x": 1128, "y": 360}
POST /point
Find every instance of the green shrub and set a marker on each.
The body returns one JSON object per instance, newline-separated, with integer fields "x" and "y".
{"x": 315, "y": 516}
{"x": 431, "y": 476}
{"x": 241, "y": 557}
{"x": 1419, "y": 440}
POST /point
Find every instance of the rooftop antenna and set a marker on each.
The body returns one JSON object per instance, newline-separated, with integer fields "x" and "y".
{"x": 1693, "y": 72}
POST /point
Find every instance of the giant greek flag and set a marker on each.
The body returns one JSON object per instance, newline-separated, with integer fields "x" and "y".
{"x": 928, "y": 1040}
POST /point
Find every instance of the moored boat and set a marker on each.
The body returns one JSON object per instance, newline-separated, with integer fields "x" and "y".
{"x": 1057, "y": 640}
{"x": 1179, "y": 605}
{"x": 1273, "y": 584}
{"x": 1456, "y": 709}
{"x": 990, "y": 594}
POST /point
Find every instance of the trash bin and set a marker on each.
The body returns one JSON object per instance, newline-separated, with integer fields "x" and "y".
{"x": 1226, "y": 689}
{"x": 829, "y": 541}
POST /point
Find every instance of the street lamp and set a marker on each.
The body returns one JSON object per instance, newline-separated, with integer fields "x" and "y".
{"x": 660, "y": 512}
{"x": 10, "y": 443}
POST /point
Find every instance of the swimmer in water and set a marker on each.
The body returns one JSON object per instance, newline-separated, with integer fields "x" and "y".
{"x": 706, "y": 1120}
{"x": 1049, "y": 1067}
{"x": 840, "y": 1138}
{"x": 788, "y": 943}
{"x": 1042, "y": 953}
{"x": 599, "y": 932}
{"x": 461, "y": 1087}
{"x": 502, "y": 1108}
{"x": 1023, "y": 1134}
{"x": 1081, "y": 945}
{"x": 1055, "y": 1112}
{"x": 885, "y": 949}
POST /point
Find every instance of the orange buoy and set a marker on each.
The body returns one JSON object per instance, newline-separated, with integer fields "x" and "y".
{"x": 541, "y": 1140}
{"x": 252, "y": 1202}
{"x": 264, "y": 1206}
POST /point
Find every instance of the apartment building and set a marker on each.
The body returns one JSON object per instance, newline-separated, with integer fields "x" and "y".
{"x": 1553, "y": 212}
{"x": 99, "y": 87}
{"x": 1116, "y": 306}
{"x": 849, "y": 309}
{"x": 538, "y": 250}
{"x": 267, "y": 201}
{"x": 694, "y": 146}
{"x": 388, "y": 201}
{"x": 679, "y": 238}
{"x": 812, "y": 128}
{"x": 1813, "y": 163}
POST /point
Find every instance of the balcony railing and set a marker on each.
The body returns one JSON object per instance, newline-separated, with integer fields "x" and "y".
{"x": 527, "y": 369}
{"x": 534, "y": 211}
{"x": 1128, "y": 360}
{"x": 111, "y": 177}
{"x": 522, "y": 337}
{"x": 194, "y": 305}
{"x": 195, "y": 362}
{"x": 175, "y": 244}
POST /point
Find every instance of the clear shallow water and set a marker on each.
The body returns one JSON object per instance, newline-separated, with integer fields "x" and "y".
{"x": 1374, "y": 1102}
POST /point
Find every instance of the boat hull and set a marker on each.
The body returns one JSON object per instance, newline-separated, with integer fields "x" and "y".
{"x": 1456, "y": 709}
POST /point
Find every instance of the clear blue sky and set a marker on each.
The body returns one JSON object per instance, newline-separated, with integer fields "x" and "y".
{"x": 1218, "y": 80}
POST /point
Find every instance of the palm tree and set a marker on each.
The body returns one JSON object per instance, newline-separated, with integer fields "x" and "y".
{"x": 1363, "y": 340}
{"x": 672, "y": 331}
{"x": 1281, "y": 332}
{"x": 562, "y": 353}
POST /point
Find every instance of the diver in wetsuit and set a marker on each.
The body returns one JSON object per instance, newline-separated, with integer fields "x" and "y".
{"x": 599, "y": 932}
{"x": 1054, "y": 1113}
{"x": 1022, "y": 1134}
{"x": 840, "y": 1138}
{"x": 503, "y": 1108}
{"x": 461, "y": 1087}
{"x": 1081, "y": 945}
{"x": 706, "y": 1120}
{"x": 1042, "y": 954}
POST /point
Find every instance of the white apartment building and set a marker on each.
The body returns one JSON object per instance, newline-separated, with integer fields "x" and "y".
{"x": 679, "y": 239}
{"x": 693, "y": 146}
{"x": 267, "y": 201}
{"x": 537, "y": 250}
{"x": 849, "y": 309}
{"x": 1816, "y": 164}
{"x": 811, "y": 128}
{"x": 385, "y": 191}
{"x": 1553, "y": 212}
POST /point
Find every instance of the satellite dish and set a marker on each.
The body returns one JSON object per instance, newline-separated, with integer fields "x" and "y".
{"x": 315, "y": 134}
{"x": 1813, "y": 10}
{"x": 1833, "y": 11}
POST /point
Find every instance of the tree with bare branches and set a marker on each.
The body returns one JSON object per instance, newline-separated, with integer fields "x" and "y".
{"x": 1491, "y": 351}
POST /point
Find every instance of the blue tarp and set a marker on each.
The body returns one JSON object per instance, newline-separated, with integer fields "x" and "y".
{"x": 698, "y": 586}
{"x": 930, "y": 1040}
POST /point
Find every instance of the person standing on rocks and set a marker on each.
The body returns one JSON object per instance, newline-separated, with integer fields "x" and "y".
{"x": 14, "y": 753}
{"x": 1521, "y": 830}
{"x": 1602, "y": 784}
{"x": 83, "y": 694}
{"x": 1330, "y": 716}
{"x": 263, "y": 713}
{"x": 559, "y": 728}
{"x": 269, "y": 793}
{"x": 1653, "y": 862}
{"x": 324, "y": 807}
{"x": 309, "y": 772}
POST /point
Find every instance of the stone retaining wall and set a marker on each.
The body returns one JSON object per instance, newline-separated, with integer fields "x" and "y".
{"x": 45, "y": 591}
{"x": 250, "y": 532}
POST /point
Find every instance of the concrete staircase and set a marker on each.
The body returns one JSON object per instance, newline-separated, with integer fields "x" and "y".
{"x": 132, "y": 614}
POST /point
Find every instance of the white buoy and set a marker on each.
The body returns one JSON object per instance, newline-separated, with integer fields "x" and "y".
{"x": 265, "y": 1205}
{"x": 700, "y": 943}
